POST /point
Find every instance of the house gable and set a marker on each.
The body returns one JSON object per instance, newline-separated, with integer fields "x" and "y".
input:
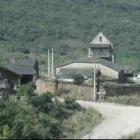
{"x": 100, "y": 39}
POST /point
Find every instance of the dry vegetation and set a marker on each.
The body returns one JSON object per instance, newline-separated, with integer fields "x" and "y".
{"x": 81, "y": 123}
{"x": 126, "y": 100}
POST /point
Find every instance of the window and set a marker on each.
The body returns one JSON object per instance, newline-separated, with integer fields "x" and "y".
{"x": 100, "y": 38}
{"x": 100, "y": 50}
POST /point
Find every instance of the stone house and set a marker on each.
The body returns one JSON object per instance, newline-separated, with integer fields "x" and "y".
{"x": 26, "y": 67}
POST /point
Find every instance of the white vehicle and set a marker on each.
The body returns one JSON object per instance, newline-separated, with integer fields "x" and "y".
{"x": 135, "y": 78}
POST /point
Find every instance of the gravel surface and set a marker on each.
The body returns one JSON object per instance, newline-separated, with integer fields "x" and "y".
{"x": 119, "y": 120}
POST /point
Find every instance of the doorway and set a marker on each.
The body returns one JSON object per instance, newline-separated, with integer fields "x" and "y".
{"x": 26, "y": 79}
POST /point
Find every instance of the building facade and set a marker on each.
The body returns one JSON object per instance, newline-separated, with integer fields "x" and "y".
{"x": 8, "y": 78}
{"x": 100, "y": 46}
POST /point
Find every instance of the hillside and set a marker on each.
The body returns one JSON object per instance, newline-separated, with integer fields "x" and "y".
{"x": 68, "y": 26}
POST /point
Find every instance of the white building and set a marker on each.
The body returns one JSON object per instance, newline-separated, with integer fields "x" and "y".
{"x": 101, "y": 54}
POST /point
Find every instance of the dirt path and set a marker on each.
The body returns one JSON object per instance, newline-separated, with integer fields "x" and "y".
{"x": 119, "y": 120}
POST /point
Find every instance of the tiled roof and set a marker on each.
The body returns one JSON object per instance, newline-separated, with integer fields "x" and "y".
{"x": 5, "y": 70}
{"x": 23, "y": 65}
{"x": 22, "y": 70}
{"x": 111, "y": 65}
{"x": 97, "y": 60}
{"x": 23, "y": 61}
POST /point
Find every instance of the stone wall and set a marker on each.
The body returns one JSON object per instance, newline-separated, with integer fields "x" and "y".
{"x": 85, "y": 92}
{"x": 78, "y": 92}
{"x": 44, "y": 86}
{"x": 122, "y": 89}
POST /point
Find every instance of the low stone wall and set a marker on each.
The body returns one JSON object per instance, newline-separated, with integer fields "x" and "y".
{"x": 78, "y": 92}
{"x": 44, "y": 86}
{"x": 122, "y": 89}
{"x": 85, "y": 92}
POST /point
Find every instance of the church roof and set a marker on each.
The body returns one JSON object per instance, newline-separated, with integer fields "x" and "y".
{"x": 100, "y": 39}
{"x": 92, "y": 59}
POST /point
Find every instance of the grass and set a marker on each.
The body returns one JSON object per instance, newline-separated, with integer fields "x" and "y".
{"x": 126, "y": 100}
{"x": 133, "y": 136}
{"x": 81, "y": 123}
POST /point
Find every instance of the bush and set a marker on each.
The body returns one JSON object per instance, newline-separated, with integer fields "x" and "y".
{"x": 78, "y": 79}
{"x": 27, "y": 90}
{"x": 70, "y": 104}
{"x": 43, "y": 103}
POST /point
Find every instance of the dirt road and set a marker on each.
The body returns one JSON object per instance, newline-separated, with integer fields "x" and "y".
{"x": 118, "y": 120}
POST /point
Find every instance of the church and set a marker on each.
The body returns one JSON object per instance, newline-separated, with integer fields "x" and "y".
{"x": 101, "y": 47}
{"x": 101, "y": 55}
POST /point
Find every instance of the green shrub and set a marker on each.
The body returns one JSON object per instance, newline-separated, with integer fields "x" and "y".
{"x": 78, "y": 79}
{"x": 27, "y": 90}
{"x": 40, "y": 117}
{"x": 43, "y": 103}
{"x": 71, "y": 104}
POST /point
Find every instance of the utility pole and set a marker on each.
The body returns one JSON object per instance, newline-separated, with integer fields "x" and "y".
{"x": 95, "y": 81}
{"x": 48, "y": 62}
{"x": 52, "y": 63}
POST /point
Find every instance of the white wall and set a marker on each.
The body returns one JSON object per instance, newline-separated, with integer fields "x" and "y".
{"x": 77, "y": 65}
{"x": 108, "y": 71}
{"x": 104, "y": 70}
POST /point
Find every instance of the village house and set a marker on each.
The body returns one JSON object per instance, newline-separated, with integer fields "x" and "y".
{"x": 21, "y": 70}
{"x": 101, "y": 54}
{"x": 26, "y": 67}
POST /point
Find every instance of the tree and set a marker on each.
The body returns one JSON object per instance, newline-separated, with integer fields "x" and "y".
{"x": 98, "y": 80}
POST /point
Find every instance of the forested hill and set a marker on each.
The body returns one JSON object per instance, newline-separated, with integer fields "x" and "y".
{"x": 68, "y": 26}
